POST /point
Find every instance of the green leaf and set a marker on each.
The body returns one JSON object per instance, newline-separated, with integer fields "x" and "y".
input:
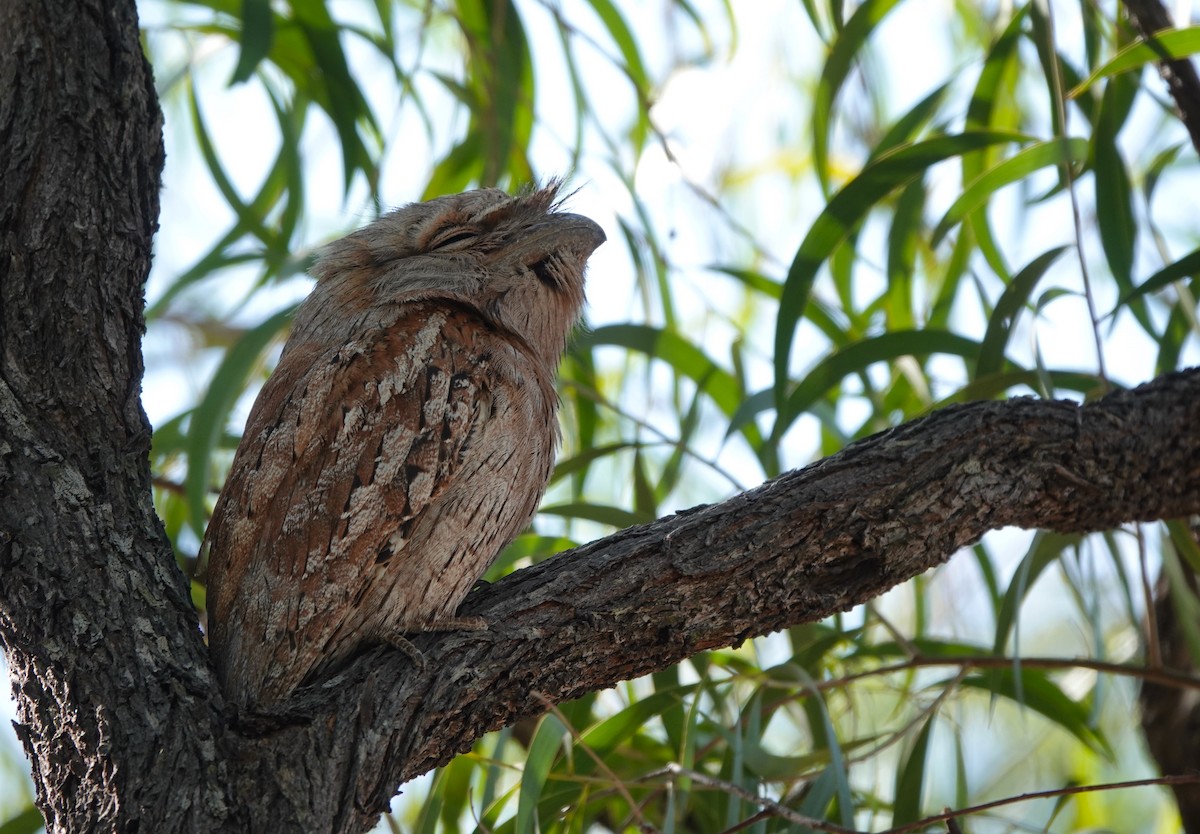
{"x": 830, "y": 371}
{"x": 1015, "y": 168}
{"x": 213, "y": 261}
{"x": 488, "y": 799}
{"x": 904, "y": 239}
{"x": 208, "y": 419}
{"x": 1181, "y": 324}
{"x": 905, "y": 128}
{"x": 989, "y": 89}
{"x": 25, "y": 822}
{"x": 1154, "y": 171}
{"x": 818, "y": 796}
{"x": 684, "y": 357}
{"x": 645, "y": 502}
{"x": 527, "y": 546}
{"x": 910, "y": 778}
{"x": 622, "y": 35}
{"x": 1008, "y": 307}
{"x": 825, "y": 737}
{"x": 1183, "y": 597}
{"x": 614, "y": 516}
{"x": 582, "y": 461}
{"x": 288, "y": 168}
{"x": 578, "y": 376}
{"x": 339, "y": 93}
{"x": 457, "y": 169}
{"x": 1173, "y": 43}
{"x": 753, "y": 280}
{"x": 844, "y": 212}
{"x": 985, "y": 387}
{"x": 1056, "y": 68}
{"x": 1186, "y": 267}
{"x": 1043, "y": 551}
{"x": 961, "y": 795}
{"x": 454, "y": 790}
{"x": 850, "y": 40}
{"x": 258, "y": 30}
{"x": 246, "y": 218}
{"x": 1033, "y": 689}
{"x": 168, "y": 439}
{"x": 986, "y": 245}
{"x": 501, "y": 84}
{"x": 605, "y": 736}
{"x": 543, "y": 750}
{"x": 947, "y": 288}
{"x": 989, "y": 106}
{"x": 814, "y": 17}
{"x": 431, "y": 809}
{"x": 1114, "y": 197}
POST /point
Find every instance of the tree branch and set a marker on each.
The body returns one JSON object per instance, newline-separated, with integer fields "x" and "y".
{"x": 799, "y": 548}
{"x": 1150, "y": 18}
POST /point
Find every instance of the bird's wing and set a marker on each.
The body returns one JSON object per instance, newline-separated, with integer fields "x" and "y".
{"x": 345, "y": 448}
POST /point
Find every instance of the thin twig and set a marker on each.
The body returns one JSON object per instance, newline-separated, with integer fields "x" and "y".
{"x": 597, "y": 397}
{"x": 948, "y": 815}
{"x": 617, "y": 783}
{"x": 1161, "y": 676}
{"x": 769, "y": 805}
{"x": 1056, "y": 81}
{"x": 1153, "y": 644}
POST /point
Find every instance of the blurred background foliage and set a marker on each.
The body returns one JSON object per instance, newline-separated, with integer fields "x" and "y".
{"x": 823, "y": 220}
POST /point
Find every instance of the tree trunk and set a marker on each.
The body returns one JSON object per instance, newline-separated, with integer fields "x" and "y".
{"x": 1171, "y": 714}
{"x": 109, "y": 670}
{"x": 117, "y": 706}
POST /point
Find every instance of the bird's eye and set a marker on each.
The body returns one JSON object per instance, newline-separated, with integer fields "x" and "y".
{"x": 451, "y": 238}
{"x": 544, "y": 273}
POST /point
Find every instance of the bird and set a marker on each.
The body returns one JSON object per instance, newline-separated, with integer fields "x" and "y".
{"x": 404, "y": 438}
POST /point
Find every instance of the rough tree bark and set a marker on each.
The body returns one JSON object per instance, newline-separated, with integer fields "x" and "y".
{"x": 118, "y": 710}
{"x": 1170, "y": 716}
{"x": 105, "y": 686}
{"x": 1151, "y": 18}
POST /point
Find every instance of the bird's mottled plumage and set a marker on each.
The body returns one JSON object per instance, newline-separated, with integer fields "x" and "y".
{"x": 404, "y": 439}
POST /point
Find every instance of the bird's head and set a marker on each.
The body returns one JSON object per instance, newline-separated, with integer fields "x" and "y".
{"x": 518, "y": 260}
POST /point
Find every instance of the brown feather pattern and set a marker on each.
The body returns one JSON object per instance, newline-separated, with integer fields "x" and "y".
{"x": 404, "y": 439}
